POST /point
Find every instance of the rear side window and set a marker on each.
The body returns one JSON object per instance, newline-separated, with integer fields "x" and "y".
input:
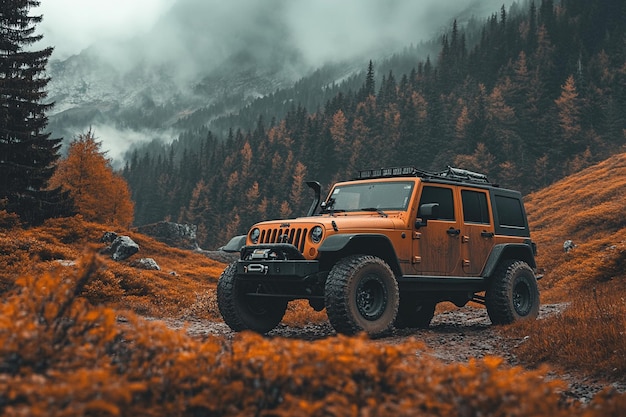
{"x": 475, "y": 208}
{"x": 440, "y": 195}
{"x": 510, "y": 212}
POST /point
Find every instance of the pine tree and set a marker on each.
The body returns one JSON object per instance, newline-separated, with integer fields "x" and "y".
{"x": 27, "y": 154}
{"x": 369, "y": 87}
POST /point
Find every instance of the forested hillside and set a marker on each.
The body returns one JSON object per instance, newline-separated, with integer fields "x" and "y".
{"x": 539, "y": 94}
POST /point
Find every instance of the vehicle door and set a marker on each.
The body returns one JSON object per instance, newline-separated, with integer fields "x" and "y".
{"x": 437, "y": 245}
{"x": 477, "y": 230}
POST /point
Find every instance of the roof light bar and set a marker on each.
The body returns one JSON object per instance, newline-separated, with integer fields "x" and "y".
{"x": 454, "y": 174}
{"x": 386, "y": 172}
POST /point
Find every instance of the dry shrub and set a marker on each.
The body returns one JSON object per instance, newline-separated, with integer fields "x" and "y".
{"x": 300, "y": 314}
{"x": 61, "y": 356}
{"x": 14, "y": 260}
{"x": 590, "y": 336}
{"x": 71, "y": 230}
{"x": 8, "y": 220}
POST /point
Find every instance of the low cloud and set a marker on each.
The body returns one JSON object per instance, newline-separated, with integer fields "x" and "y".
{"x": 200, "y": 34}
{"x": 73, "y": 25}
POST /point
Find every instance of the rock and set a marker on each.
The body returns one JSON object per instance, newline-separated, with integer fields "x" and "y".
{"x": 568, "y": 245}
{"x": 108, "y": 237}
{"x": 178, "y": 235}
{"x": 121, "y": 248}
{"x": 146, "y": 263}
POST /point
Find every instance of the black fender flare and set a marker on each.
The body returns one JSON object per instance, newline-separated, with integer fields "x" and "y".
{"x": 502, "y": 251}
{"x": 342, "y": 245}
{"x": 235, "y": 244}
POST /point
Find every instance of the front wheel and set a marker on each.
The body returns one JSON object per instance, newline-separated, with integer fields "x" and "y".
{"x": 246, "y": 312}
{"x": 512, "y": 294}
{"x": 362, "y": 295}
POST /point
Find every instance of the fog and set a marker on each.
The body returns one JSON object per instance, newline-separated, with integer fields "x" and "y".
{"x": 202, "y": 33}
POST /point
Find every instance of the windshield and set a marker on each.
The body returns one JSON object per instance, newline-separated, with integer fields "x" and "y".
{"x": 371, "y": 196}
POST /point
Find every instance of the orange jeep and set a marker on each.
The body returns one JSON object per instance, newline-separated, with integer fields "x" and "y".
{"x": 383, "y": 250}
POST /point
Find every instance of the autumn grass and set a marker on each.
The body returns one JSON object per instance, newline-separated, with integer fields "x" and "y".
{"x": 63, "y": 351}
{"x": 62, "y": 356}
{"x": 185, "y": 279}
{"x": 590, "y": 335}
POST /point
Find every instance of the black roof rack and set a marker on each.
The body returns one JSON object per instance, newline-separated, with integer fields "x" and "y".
{"x": 450, "y": 173}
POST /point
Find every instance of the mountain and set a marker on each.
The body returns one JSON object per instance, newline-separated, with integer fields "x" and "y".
{"x": 204, "y": 60}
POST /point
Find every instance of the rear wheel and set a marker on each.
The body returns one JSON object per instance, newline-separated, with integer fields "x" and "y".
{"x": 512, "y": 294}
{"x": 414, "y": 312}
{"x": 362, "y": 295}
{"x": 246, "y": 312}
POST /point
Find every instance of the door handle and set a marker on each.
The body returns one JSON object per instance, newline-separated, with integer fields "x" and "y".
{"x": 453, "y": 232}
{"x": 486, "y": 234}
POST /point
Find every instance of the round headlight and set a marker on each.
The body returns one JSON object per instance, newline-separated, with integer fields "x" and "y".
{"x": 254, "y": 235}
{"x": 316, "y": 234}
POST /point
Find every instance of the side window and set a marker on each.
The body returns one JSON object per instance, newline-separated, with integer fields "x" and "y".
{"x": 510, "y": 212}
{"x": 440, "y": 195}
{"x": 475, "y": 208}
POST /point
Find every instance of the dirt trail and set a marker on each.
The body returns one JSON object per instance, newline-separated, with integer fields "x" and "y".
{"x": 454, "y": 336}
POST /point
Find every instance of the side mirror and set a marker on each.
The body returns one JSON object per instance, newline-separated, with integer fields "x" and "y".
{"x": 426, "y": 212}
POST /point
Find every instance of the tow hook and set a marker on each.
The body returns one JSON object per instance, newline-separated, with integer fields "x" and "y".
{"x": 255, "y": 269}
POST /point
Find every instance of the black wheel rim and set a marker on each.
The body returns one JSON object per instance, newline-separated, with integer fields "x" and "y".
{"x": 521, "y": 298}
{"x": 371, "y": 297}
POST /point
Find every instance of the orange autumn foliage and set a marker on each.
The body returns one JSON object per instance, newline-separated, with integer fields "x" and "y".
{"x": 72, "y": 344}
{"x": 184, "y": 285}
{"x": 60, "y": 355}
{"x": 100, "y": 195}
{"x": 587, "y": 208}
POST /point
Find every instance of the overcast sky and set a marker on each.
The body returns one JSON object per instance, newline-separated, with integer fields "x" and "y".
{"x": 321, "y": 29}
{"x": 72, "y": 25}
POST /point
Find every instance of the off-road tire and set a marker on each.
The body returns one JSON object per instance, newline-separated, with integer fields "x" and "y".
{"x": 243, "y": 312}
{"x": 512, "y": 294}
{"x": 414, "y": 313}
{"x": 362, "y": 296}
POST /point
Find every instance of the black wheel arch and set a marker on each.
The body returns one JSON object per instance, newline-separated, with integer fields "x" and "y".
{"x": 505, "y": 251}
{"x": 340, "y": 246}
{"x": 235, "y": 244}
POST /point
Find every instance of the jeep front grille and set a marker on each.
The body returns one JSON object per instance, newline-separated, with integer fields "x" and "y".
{"x": 295, "y": 236}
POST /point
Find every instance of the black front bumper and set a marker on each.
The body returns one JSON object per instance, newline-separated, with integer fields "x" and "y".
{"x": 283, "y": 270}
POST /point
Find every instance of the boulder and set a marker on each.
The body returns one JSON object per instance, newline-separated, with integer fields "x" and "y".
{"x": 108, "y": 237}
{"x": 146, "y": 263}
{"x": 177, "y": 235}
{"x": 121, "y": 248}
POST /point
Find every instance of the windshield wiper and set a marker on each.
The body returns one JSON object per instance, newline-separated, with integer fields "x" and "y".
{"x": 377, "y": 210}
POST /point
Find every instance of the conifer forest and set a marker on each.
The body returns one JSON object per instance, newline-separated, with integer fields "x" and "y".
{"x": 528, "y": 96}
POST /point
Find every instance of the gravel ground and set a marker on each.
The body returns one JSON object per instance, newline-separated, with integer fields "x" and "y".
{"x": 454, "y": 336}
